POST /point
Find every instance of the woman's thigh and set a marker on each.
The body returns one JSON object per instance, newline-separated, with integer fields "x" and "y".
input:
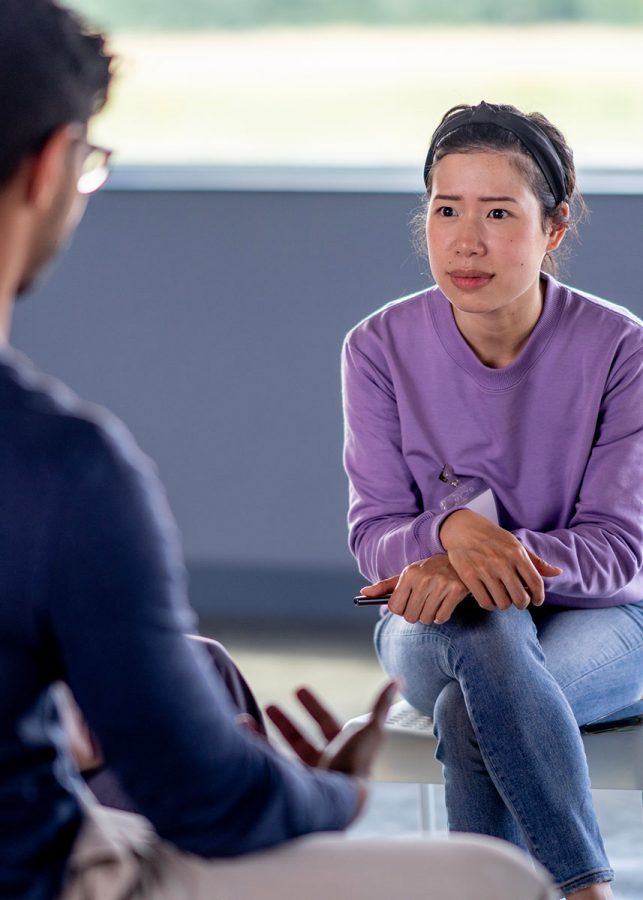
{"x": 475, "y": 647}
{"x": 595, "y": 655}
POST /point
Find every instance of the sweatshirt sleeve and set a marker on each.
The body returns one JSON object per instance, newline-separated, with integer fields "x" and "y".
{"x": 601, "y": 551}
{"x": 388, "y": 527}
{"x": 113, "y": 595}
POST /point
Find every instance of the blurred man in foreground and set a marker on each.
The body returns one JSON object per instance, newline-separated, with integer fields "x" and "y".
{"x": 92, "y": 593}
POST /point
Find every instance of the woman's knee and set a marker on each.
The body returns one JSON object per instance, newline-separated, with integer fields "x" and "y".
{"x": 453, "y": 729}
{"x": 500, "y": 638}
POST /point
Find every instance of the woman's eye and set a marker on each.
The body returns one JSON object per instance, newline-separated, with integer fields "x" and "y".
{"x": 446, "y": 211}
{"x": 498, "y": 214}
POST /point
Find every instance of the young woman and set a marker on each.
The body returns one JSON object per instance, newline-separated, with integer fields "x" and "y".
{"x": 510, "y": 635}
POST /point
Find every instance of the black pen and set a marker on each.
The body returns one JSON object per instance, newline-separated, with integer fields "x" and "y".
{"x": 361, "y": 600}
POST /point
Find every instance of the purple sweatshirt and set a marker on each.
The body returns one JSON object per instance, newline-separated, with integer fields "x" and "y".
{"x": 557, "y": 435}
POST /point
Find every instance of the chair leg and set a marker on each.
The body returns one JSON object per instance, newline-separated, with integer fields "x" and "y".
{"x": 426, "y": 808}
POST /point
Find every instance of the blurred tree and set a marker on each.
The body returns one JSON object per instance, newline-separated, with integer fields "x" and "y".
{"x": 196, "y": 14}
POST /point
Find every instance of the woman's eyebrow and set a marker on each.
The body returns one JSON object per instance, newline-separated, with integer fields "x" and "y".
{"x": 456, "y": 197}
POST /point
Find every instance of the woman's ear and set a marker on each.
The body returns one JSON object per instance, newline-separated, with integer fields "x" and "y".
{"x": 557, "y": 227}
{"x": 48, "y": 168}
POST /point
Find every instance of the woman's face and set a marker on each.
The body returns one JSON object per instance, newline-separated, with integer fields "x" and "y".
{"x": 484, "y": 232}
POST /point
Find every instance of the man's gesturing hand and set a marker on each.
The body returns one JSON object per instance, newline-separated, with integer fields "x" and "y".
{"x": 352, "y": 754}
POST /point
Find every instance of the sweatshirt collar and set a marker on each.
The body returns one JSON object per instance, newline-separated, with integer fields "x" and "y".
{"x": 508, "y": 376}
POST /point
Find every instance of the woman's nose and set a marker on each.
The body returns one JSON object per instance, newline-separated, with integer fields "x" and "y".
{"x": 468, "y": 238}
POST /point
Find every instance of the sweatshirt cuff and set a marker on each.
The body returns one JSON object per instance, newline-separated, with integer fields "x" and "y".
{"x": 426, "y": 531}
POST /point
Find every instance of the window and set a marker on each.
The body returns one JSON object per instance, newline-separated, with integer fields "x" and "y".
{"x": 363, "y": 82}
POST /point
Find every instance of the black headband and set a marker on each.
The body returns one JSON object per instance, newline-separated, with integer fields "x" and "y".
{"x": 531, "y": 135}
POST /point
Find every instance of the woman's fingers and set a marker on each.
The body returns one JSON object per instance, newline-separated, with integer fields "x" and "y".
{"x": 499, "y": 593}
{"x": 516, "y": 592}
{"x": 400, "y": 596}
{"x": 502, "y": 569}
{"x": 543, "y": 568}
{"x": 426, "y": 584}
{"x": 419, "y": 591}
{"x": 380, "y": 588}
{"x": 532, "y": 581}
{"x": 497, "y": 570}
{"x": 499, "y": 576}
{"x": 420, "y": 600}
{"x": 481, "y": 595}
{"x": 532, "y": 571}
{"x": 429, "y": 608}
{"x": 447, "y": 606}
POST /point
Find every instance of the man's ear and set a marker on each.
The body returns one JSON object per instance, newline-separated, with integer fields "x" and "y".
{"x": 47, "y": 168}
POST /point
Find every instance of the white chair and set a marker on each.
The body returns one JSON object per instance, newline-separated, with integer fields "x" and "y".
{"x": 614, "y": 749}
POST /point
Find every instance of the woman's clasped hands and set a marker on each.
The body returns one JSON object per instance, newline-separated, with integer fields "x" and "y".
{"x": 482, "y": 560}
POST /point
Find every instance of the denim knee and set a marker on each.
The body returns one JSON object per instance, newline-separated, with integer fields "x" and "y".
{"x": 456, "y": 738}
{"x": 488, "y": 640}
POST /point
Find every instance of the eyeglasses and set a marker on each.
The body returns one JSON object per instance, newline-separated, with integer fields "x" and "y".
{"x": 95, "y": 170}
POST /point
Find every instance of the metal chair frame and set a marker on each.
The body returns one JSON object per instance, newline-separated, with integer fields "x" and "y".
{"x": 614, "y": 749}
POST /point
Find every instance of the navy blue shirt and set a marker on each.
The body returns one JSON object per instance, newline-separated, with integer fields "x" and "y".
{"x": 92, "y": 593}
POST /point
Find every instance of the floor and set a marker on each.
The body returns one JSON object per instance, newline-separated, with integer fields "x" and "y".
{"x": 343, "y": 669}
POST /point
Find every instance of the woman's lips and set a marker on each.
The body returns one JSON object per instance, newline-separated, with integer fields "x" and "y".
{"x": 470, "y": 281}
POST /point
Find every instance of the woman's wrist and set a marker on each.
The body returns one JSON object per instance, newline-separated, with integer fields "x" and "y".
{"x": 450, "y": 525}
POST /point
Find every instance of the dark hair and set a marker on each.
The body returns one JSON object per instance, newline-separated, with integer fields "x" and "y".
{"x": 488, "y": 137}
{"x": 54, "y": 70}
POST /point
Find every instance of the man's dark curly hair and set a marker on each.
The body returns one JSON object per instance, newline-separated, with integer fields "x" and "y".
{"x": 54, "y": 70}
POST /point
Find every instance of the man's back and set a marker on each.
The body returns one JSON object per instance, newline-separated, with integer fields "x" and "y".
{"x": 39, "y": 818}
{"x": 91, "y": 592}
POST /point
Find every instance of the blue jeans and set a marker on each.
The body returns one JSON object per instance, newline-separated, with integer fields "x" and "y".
{"x": 507, "y": 691}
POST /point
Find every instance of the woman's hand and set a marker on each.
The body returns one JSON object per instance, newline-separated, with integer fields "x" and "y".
{"x": 427, "y": 591}
{"x": 492, "y": 563}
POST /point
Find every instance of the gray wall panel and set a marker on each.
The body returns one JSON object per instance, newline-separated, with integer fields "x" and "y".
{"x": 212, "y": 323}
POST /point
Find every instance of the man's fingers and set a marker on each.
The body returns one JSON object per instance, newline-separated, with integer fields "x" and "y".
{"x": 383, "y": 702}
{"x": 293, "y": 736}
{"x": 328, "y": 724}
